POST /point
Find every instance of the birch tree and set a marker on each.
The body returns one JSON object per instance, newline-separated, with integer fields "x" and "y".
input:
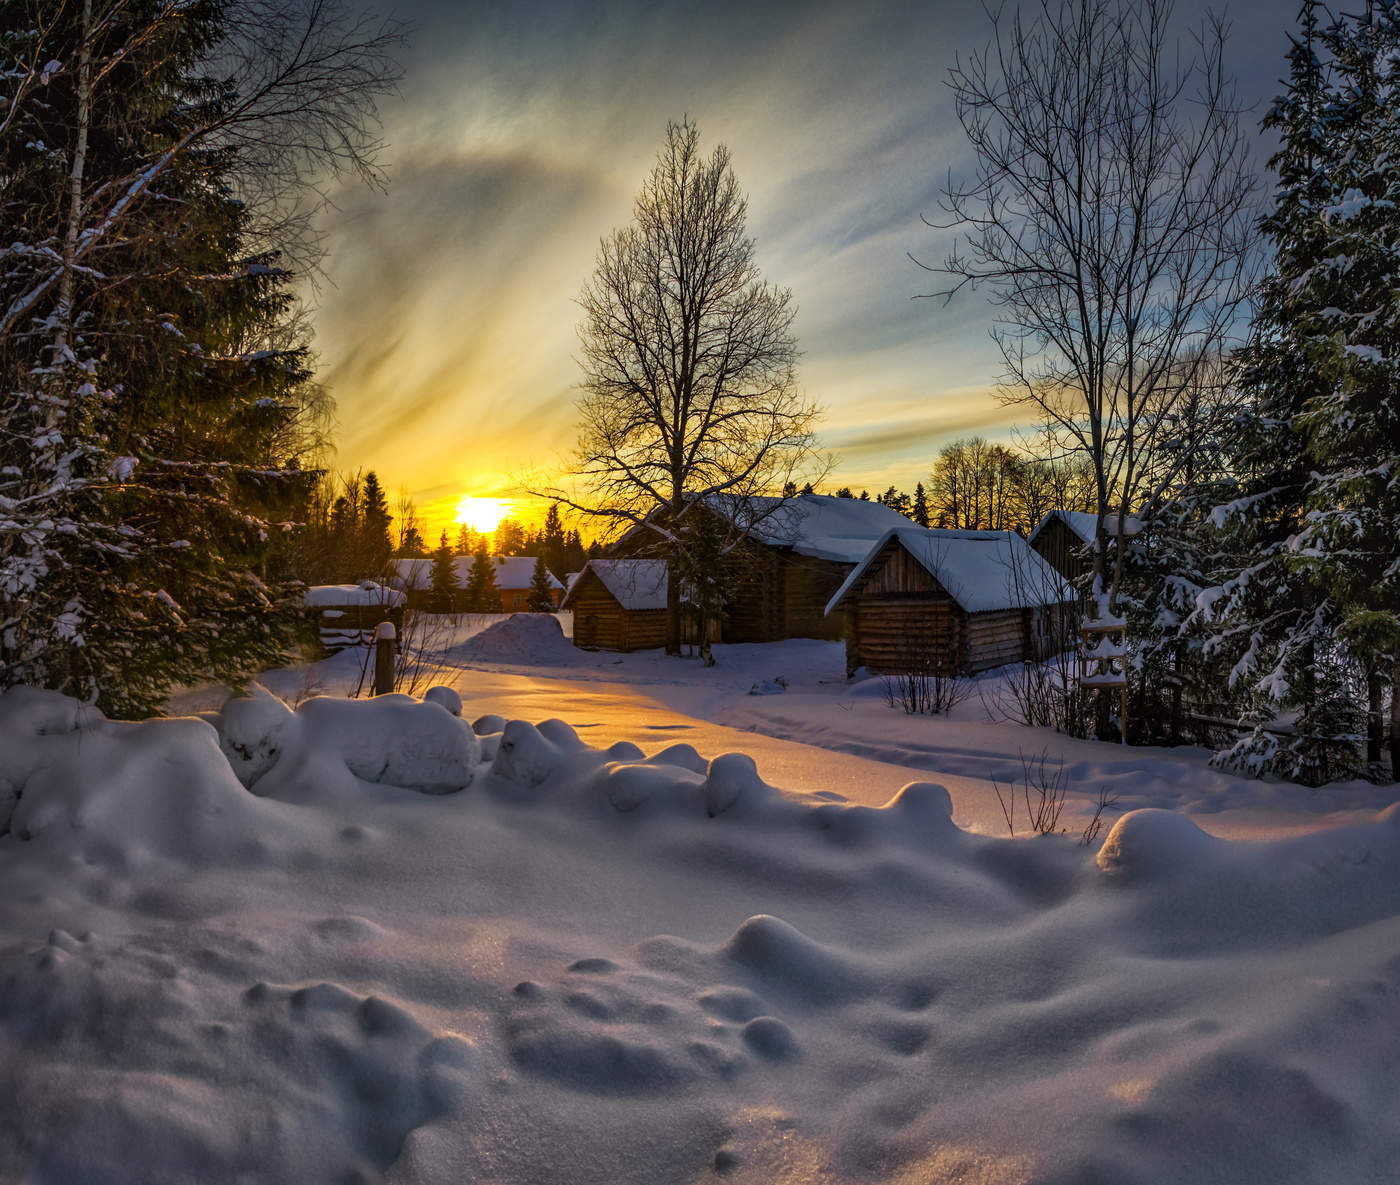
{"x": 690, "y": 404}
{"x": 1109, "y": 216}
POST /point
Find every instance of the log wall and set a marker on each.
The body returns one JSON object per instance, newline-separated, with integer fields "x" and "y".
{"x": 601, "y": 623}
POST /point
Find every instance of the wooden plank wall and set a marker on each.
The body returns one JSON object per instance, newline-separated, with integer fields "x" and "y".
{"x": 1057, "y": 543}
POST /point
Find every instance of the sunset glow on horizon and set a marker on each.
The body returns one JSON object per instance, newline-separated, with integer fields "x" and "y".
{"x": 480, "y": 514}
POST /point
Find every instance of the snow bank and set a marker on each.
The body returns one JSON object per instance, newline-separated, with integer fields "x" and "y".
{"x": 522, "y": 639}
{"x": 243, "y": 948}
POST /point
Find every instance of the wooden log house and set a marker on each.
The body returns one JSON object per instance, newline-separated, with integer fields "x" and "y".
{"x": 796, "y": 553}
{"x": 953, "y": 602}
{"x": 619, "y": 604}
{"x": 1064, "y": 537}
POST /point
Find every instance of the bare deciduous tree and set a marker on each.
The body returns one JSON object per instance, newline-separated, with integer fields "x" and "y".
{"x": 690, "y": 404}
{"x": 1110, "y": 214}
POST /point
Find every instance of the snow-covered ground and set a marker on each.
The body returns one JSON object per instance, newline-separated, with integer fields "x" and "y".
{"x": 366, "y": 941}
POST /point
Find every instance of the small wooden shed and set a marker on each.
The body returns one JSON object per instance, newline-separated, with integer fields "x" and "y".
{"x": 1063, "y": 536}
{"x": 619, "y": 604}
{"x": 957, "y": 602}
{"x": 347, "y": 614}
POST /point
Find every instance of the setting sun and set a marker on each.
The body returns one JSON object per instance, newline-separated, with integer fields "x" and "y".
{"x": 481, "y": 514}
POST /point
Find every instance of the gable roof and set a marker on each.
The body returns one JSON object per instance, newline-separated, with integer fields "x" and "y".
{"x": 983, "y": 571}
{"x": 634, "y": 584}
{"x": 818, "y": 525}
{"x": 512, "y": 572}
{"x": 367, "y": 592}
{"x": 823, "y": 526}
{"x": 1083, "y": 523}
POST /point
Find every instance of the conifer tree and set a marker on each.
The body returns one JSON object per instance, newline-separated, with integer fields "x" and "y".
{"x": 1302, "y": 587}
{"x": 554, "y": 543}
{"x": 482, "y": 594}
{"x": 158, "y": 426}
{"x": 541, "y": 599}
{"x": 444, "y": 577}
{"x": 919, "y": 513}
{"x": 376, "y": 543}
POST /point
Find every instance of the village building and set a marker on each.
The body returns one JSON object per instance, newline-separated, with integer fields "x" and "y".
{"x": 514, "y": 574}
{"x": 619, "y": 604}
{"x": 795, "y": 556}
{"x": 954, "y": 602}
{"x": 1064, "y": 538}
{"x": 347, "y": 614}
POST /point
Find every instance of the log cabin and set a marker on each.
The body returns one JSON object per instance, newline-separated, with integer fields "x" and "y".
{"x": 793, "y": 555}
{"x": 1064, "y": 538}
{"x": 619, "y": 604}
{"x": 955, "y": 602}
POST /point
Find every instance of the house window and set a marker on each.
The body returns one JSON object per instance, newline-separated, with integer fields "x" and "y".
{"x": 515, "y": 601}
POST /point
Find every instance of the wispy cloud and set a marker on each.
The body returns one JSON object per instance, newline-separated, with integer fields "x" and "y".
{"x": 448, "y": 337}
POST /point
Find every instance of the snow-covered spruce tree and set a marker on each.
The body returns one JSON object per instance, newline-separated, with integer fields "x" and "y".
{"x": 1283, "y": 611}
{"x": 156, "y": 412}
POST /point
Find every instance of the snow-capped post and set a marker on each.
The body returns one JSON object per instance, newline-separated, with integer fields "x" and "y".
{"x": 384, "y": 639}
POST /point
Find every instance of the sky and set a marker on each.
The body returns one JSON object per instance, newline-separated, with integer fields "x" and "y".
{"x": 447, "y": 327}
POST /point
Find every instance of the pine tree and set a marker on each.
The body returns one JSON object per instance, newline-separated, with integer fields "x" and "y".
{"x": 554, "y": 544}
{"x": 1285, "y": 610}
{"x": 444, "y": 577}
{"x": 482, "y": 595}
{"x": 158, "y": 425}
{"x": 541, "y": 599}
{"x": 376, "y": 544}
{"x": 413, "y": 546}
{"x": 919, "y": 513}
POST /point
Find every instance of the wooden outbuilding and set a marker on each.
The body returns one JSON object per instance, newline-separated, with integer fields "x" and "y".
{"x": 1065, "y": 537}
{"x": 347, "y": 614}
{"x": 619, "y": 604}
{"x": 956, "y": 602}
{"x": 794, "y": 555}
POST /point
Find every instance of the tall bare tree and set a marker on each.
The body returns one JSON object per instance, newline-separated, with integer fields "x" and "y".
{"x": 1110, "y": 213}
{"x": 690, "y": 403}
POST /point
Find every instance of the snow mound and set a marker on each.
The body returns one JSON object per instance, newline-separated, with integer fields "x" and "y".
{"x": 127, "y": 793}
{"x": 391, "y": 740}
{"x": 524, "y": 639}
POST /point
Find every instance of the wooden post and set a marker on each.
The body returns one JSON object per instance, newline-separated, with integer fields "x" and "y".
{"x": 384, "y": 638}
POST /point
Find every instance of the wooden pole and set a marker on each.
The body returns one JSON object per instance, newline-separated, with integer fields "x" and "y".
{"x": 384, "y": 638}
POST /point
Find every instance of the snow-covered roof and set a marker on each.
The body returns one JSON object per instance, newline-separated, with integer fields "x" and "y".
{"x": 1083, "y": 524}
{"x": 824, "y": 527}
{"x": 636, "y": 584}
{"x": 982, "y": 571}
{"x": 320, "y": 596}
{"x": 512, "y": 572}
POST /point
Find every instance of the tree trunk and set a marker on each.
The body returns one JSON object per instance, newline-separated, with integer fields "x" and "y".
{"x": 1395, "y": 720}
{"x": 1375, "y": 727}
{"x": 673, "y": 609}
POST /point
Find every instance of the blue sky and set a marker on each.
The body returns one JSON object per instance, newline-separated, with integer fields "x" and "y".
{"x": 447, "y": 332}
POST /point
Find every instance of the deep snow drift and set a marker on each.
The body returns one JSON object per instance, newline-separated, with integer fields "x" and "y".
{"x": 367, "y": 941}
